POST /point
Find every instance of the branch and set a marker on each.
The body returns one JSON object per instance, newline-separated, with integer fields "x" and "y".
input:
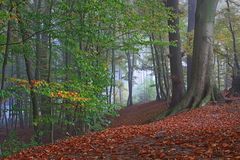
{"x": 235, "y": 3}
{"x": 33, "y": 34}
{"x": 226, "y": 56}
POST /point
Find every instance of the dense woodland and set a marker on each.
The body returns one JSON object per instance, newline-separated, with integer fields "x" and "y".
{"x": 68, "y": 66}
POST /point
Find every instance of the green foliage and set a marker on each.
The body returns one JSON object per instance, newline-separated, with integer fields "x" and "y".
{"x": 12, "y": 145}
{"x": 81, "y": 34}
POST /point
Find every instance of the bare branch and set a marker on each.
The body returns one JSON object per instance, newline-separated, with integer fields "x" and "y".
{"x": 33, "y": 34}
{"x": 235, "y": 3}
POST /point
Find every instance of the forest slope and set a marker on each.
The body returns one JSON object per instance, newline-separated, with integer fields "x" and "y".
{"x": 139, "y": 113}
{"x": 210, "y": 132}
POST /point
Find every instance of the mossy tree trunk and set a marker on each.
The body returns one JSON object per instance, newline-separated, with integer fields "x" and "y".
{"x": 200, "y": 91}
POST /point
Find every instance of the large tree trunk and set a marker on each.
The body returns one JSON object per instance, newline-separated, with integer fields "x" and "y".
{"x": 175, "y": 56}
{"x": 200, "y": 91}
{"x": 191, "y": 23}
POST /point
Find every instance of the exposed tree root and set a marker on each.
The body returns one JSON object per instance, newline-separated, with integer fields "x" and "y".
{"x": 191, "y": 100}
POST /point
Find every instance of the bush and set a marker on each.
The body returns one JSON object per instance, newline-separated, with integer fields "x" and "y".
{"x": 12, "y": 145}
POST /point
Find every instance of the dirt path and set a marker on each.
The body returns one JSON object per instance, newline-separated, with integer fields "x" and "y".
{"x": 139, "y": 114}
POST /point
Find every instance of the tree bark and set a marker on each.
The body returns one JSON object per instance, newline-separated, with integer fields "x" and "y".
{"x": 155, "y": 71}
{"x": 18, "y": 101}
{"x": 165, "y": 71}
{"x": 191, "y": 23}
{"x": 5, "y": 61}
{"x": 200, "y": 91}
{"x": 218, "y": 73}
{"x": 175, "y": 55}
{"x": 29, "y": 72}
{"x": 130, "y": 78}
{"x": 236, "y": 70}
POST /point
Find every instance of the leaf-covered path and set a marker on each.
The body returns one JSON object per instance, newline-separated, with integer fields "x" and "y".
{"x": 211, "y": 132}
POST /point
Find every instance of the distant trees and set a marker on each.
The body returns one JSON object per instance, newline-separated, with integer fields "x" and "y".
{"x": 226, "y": 47}
{"x": 236, "y": 68}
{"x": 65, "y": 63}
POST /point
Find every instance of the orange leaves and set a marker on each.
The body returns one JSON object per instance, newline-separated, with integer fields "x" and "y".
{"x": 53, "y": 90}
{"x": 25, "y": 83}
{"x": 74, "y": 96}
{"x": 211, "y": 132}
{"x": 38, "y": 83}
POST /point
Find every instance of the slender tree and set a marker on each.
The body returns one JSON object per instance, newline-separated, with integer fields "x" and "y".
{"x": 236, "y": 69}
{"x": 130, "y": 61}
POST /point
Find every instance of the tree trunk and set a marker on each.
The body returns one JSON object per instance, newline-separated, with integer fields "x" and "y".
{"x": 42, "y": 61}
{"x": 191, "y": 23}
{"x": 165, "y": 71}
{"x": 159, "y": 68}
{"x": 120, "y": 87}
{"x": 113, "y": 80}
{"x": 175, "y": 56}
{"x": 29, "y": 71}
{"x": 113, "y": 76}
{"x": 4, "y": 65}
{"x": 218, "y": 73}
{"x": 236, "y": 69}
{"x": 6, "y": 52}
{"x": 200, "y": 91}
{"x": 155, "y": 71}
{"x": 18, "y": 101}
{"x": 130, "y": 78}
{"x": 33, "y": 99}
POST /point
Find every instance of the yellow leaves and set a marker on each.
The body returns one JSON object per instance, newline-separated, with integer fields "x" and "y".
{"x": 38, "y": 83}
{"x": 25, "y": 83}
{"x": 41, "y": 84}
{"x": 20, "y": 82}
{"x": 74, "y": 96}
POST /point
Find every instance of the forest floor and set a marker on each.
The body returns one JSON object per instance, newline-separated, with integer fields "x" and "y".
{"x": 210, "y": 132}
{"x": 139, "y": 113}
{"x": 133, "y": 115}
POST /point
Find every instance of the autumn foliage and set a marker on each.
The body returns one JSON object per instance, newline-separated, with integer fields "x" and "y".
{"x": 211, "y": 132}
{"x": 57, "y": 92}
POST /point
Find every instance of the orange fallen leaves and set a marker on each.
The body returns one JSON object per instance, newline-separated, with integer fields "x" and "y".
{"x": 211, "y": 132}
